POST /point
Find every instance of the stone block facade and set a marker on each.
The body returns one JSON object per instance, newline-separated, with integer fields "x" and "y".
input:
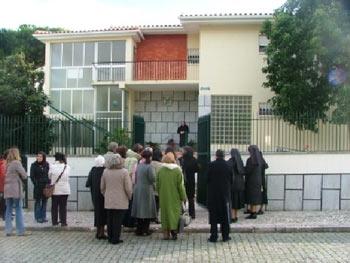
{"x": 163, "y": 112}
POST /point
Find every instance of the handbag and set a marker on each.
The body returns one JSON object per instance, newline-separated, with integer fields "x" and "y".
{"x": 50, "y": 188}
{"x": 184, "y": 221}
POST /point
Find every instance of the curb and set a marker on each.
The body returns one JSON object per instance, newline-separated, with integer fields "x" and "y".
{"x": 262, "y": 229}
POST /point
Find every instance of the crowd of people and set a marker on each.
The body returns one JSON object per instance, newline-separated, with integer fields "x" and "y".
{"x": 132, "y": 187}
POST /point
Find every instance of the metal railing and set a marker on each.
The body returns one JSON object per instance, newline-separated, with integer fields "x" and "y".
{"x": 73, "y": 136}
{"x": 273, "y": 134}
{"x": 146, "y": 70}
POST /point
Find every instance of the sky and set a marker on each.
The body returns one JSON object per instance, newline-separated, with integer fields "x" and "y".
{"x": 99, "y": 14}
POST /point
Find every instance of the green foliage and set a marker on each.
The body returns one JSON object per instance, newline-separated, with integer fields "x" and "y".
{"x": 21, "y": 87}
{"x": 341, "y": 114}
{"x": 301, "y": 53}
{"x": 119, "y": 135}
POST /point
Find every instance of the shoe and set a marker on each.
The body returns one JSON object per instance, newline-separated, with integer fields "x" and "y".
{"x": 260, "y": 212}
{"x": 234, "y": 220}
{"x": 8, "y": 234}
{"x": 173, "y": 235}
{"x": 226, "y": 239}
{"x": 116, "y": 242}
{"x": 45, "y": 221}
{"x": 24, "y": 234}
{"x": 55, "y": 225}
{"x": 64, "y": 225}
{"x": 252, "y": 216}
{"x": 247, "y": 212}
{"x": 212, "y": 240}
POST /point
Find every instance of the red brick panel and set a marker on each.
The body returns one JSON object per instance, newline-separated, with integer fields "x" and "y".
{"x": 161, "y": 57}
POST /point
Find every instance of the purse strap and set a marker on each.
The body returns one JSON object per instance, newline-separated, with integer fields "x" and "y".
{"x": 59, "y": 177}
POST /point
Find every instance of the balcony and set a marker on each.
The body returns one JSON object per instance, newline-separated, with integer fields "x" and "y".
{"x": 146, "y": 71}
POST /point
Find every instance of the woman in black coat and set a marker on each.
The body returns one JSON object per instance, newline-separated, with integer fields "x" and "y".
{"x": 235, "y": 164}
{"x": 189, "y": 166}
{"x": 219, "y": 197}
{"x": 39, "y": 175}
{"x": 264, "y": 186}
{"x": 94, "y": 182}
{"x": 254, "y": 169}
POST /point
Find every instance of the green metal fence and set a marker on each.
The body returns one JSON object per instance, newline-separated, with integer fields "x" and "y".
{"x": 78, "y": 136}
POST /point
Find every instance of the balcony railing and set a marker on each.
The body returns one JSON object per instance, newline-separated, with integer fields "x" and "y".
{"x": 146, "y": 70}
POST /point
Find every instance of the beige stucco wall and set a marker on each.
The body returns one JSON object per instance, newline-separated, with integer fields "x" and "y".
{"x": 230, "y": 62}
{"x": 193, "y": 41}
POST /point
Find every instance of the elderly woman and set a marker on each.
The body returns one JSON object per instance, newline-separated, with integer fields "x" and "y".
{"x": 144, "y": 204}
{"x": 171, "y": 190}
{"x": 254, "y": 169}
{"x": 13, "y": 191}
{"x": 116, "y": 187}
{"x": 94, "y": 182}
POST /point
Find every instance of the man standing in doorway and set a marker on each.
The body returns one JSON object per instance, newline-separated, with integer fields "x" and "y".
{"x": 183, "y": 130}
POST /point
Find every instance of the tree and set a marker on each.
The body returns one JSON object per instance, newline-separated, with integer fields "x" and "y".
{"x": 300, "y": 55}
{"x": 21, "y": 87}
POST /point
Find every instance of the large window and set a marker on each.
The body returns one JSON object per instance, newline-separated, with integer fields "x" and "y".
{"x": 231, "y": 119}
{"x": 71, "y": 75}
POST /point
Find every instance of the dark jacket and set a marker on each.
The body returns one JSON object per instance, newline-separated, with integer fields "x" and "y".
{"x": 39, "y": 175}
{"x": 189, "y": 166}
{"x": 219, "y": 191}
{"x": 253, "y": 183}
{"x": 237, "y": 175}
{"x": 94, "y": 182}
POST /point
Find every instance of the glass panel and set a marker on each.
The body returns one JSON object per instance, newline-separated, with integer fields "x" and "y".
{"x": 89, "y": 53}
{"x": 118, "y": 50}
{"x": 102, "y": 99}
{"x": 67, "y": 54}
{"x": 72, "y": 78}
{"x": 77, "y": 101}
{"x": 78, "y": 54}
{"x": 115, "y": 99}
{"x": 56, "y": 55}
{"x": 55, "y": 99}
{"x": 65, "y": 101}
{"x": 85, "y": 78}
{"x": 104, "y": 51}
{"x": 88, "y": 101}
{"x": 58, "y": 78}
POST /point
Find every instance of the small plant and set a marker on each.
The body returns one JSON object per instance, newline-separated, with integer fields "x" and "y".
{"x": 121, "y": 136}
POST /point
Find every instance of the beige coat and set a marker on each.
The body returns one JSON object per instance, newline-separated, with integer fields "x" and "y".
{"x": 15, "y": 173}
{"x": 116, "y": 187}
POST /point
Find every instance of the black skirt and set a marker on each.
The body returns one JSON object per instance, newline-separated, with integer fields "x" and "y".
{"x": 237, "y": 199}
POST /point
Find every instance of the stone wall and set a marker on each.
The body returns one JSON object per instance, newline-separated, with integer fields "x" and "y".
{"x": 318, "y": 188}
{"x": 164, "y": 111}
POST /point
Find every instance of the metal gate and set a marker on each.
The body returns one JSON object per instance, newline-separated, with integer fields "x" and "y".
{"x": 138, "y": 130}
{"x": 203, "y": 157}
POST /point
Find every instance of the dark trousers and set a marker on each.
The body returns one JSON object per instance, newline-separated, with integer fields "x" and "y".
{"x": 191, "y": 209}
{"x": 40, "y": 209}
{"x": 114, "y": 224}
{"x": 59, "y": 206}
{"x": 142, "y": 226}
{"x": 225, "y": 230}
{"x": 2, "y": 206}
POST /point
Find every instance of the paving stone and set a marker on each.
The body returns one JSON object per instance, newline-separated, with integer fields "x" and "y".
{"x": 294, "y": 182}
{"x": 331, "y": 181}
{"x": 275, "y": 187}
{"x": 294, "y": 200}
{"x": 330, "y": 199}
{"x": 345, "y": 191}
{"x": 312, "y": 205}
{"x": 312, "y": 186}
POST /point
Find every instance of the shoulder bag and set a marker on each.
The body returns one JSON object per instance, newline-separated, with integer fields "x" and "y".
{"x": 50, "y": 188}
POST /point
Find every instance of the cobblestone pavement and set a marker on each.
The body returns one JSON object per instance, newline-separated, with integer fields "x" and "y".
{"x": 73, "y": 246}
{"x": 271, "y": 221}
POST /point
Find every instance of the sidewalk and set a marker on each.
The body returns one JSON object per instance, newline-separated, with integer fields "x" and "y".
{"x": 271, "y": 221}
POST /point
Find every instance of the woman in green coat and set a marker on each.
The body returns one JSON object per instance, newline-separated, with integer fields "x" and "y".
{"x": 171, "y": 190}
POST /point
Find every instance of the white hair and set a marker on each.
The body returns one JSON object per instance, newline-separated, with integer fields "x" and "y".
{"x": 99, "y": 161}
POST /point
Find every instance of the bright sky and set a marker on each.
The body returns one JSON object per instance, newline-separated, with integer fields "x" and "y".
{"x": 98, "y": 14}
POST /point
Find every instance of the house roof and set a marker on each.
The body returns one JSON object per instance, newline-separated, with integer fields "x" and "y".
{"x": 188, "y": 22}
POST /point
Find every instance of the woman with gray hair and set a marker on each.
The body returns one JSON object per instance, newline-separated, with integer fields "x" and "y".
{"x": 116, "y": 187}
